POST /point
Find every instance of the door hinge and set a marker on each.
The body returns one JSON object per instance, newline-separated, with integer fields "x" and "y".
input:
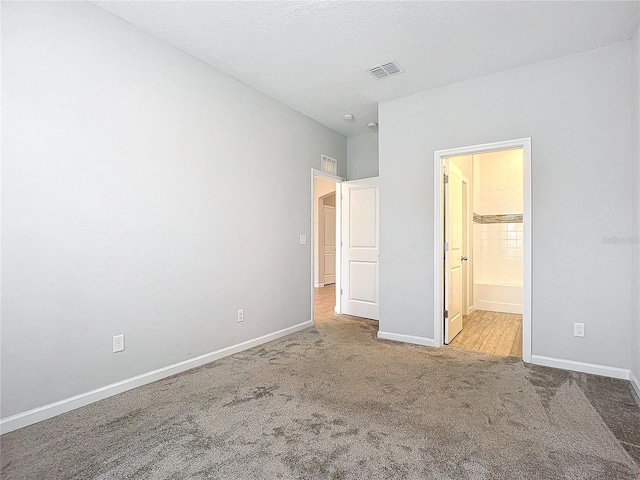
{"x": 446, "y": 246}
{"x": 446, "y": 178}
{"x": 340, "y": 291}
{"x": 446, "y": 314}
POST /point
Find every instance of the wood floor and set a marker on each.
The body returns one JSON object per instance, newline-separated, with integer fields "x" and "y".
{"x": 325, "y": 301}
{"x": 487, "y": 332}
{"x": 491, "y": 332}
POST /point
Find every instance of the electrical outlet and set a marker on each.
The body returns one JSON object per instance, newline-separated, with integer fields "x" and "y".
{"x": 303, "y": 239}
{"x": 240, "y": 315}
{"x": 578, "y": 329}
{"x": 118, "y": 343}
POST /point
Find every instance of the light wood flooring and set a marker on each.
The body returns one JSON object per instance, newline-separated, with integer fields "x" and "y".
{"x": 324, "y": 302}
{"x": 491, "y": 332}
{"x": 487, "y": 332}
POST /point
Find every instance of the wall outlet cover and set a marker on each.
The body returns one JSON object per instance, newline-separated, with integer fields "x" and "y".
{"x": 578, "y": 329}
{"x": 118, "y": 343}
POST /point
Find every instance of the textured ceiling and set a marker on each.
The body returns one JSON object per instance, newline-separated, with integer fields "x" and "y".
{"x": 314, "y": 56}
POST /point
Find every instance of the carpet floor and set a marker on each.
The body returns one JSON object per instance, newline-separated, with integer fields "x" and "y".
{"x": 332, "y": 401}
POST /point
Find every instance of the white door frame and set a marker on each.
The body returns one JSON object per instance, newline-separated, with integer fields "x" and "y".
{"x": 438, "y": 252}
{"x": 317, "y": 173}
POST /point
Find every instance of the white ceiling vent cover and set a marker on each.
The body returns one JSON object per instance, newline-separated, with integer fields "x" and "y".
{"x": 329, "y": 165}
{"x": 386, "y": 70}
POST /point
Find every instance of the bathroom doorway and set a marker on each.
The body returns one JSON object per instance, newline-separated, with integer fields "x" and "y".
{"x": 484, "y": 225}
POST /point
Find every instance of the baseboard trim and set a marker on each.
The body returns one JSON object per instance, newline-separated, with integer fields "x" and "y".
{"x": 489, "y": 306}
{"x": 583, "y": 367}
{"x": 634, "y": 383}
{"x": 398, "y": 337}
{"x": 51, "y": 410}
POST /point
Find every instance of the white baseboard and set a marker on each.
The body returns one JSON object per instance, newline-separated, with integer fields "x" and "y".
{"x": 398, "y": 337}
{"x": 490, "y": 306}
{"x": 635, "y": 383}
{"x": 39, "y": 414}
{"x": 603, "y": 370}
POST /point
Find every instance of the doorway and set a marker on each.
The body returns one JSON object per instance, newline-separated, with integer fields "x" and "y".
{"x": 325, "y": 253}
{"x": 482, "y": 295}
{"x": 345, "y": 271}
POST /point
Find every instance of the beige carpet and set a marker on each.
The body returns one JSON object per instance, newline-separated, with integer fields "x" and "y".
{"x": 334, "y": 402}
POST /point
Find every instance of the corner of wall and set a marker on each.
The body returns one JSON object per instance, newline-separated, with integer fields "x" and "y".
{"x": 635, "y": 334}
{"x": 362, "y": 156}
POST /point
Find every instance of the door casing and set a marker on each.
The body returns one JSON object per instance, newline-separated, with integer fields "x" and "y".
{"x": 438, "y": 240}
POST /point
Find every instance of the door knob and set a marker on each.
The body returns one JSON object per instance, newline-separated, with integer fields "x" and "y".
{"x": 463, "y": 259}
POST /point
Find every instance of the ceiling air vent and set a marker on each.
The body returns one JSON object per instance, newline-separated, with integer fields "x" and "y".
{"x": 386, "y": 70}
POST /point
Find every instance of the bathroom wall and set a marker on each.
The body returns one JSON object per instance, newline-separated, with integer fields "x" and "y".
{"x": 497, "y": 231}
{"x": 464, "y": 163}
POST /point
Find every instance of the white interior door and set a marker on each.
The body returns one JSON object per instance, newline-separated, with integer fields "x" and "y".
{"x": 360, "y": 248}
{"x": 329, "y": 244}
{"x": 453, "y": 252}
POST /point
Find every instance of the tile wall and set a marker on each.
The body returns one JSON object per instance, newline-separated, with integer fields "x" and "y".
{"x": 497, "y": 227}
{"x": 498, "y": 253}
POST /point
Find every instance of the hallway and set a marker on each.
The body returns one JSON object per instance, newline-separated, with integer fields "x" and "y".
{"x": 491, "y": 332}
{"x": 324, "y": 303}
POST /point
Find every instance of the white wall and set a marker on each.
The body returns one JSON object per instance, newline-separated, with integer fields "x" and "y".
{"x": 577, "y": 110}
{"x": 143, "y": 193}
{"x": 362, "y": 156}
{"x": 635, "y": 295}
{"x": 322, "y": 186}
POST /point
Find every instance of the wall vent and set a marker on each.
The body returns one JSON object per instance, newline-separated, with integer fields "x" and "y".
{"x": 329, "y": 165}
{"x": 385, "y": 70}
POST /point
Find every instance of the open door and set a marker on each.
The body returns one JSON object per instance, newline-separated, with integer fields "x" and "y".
{"x": 360, "y": 249}
{"x": 453, "y": 255}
